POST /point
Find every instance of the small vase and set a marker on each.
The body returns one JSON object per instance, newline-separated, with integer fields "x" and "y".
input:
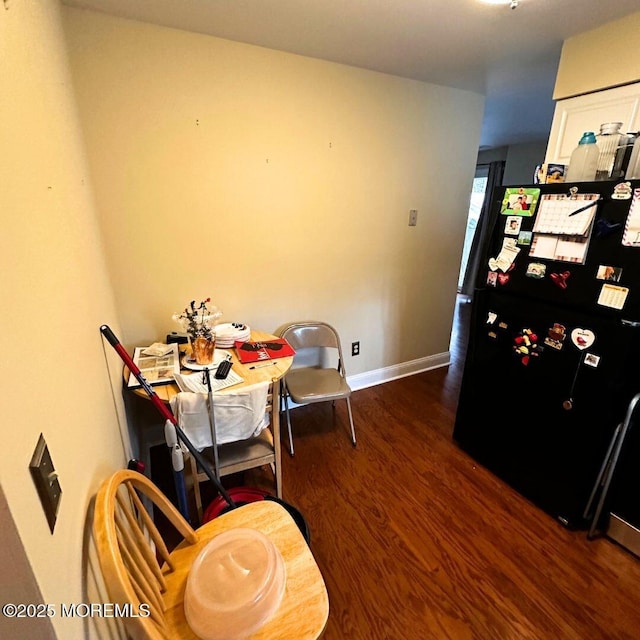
{"x": 203, "y": 350}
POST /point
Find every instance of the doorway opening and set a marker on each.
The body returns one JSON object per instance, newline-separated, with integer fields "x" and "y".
{"x": 478, "y": 192}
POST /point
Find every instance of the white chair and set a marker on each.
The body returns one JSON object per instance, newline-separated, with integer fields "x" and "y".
{"x": 318, "y": 372}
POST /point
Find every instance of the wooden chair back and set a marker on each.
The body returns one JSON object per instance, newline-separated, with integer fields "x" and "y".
{"x": 141, "y": 573}
{"x": 133, "y": 555}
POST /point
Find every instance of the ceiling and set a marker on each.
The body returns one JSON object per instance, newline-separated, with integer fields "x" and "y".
{"x": 511, "y": 55}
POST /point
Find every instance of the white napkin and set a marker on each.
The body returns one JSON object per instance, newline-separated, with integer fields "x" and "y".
{"x": 238, "y": 416}
{"x": 158, "y": 349}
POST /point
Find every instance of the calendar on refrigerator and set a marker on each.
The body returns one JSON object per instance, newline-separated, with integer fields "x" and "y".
{"x": 563, "y": 226}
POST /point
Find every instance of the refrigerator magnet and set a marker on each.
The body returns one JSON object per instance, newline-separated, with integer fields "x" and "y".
{"x": 555, "y": 336}
{"x": 536, "y": 270}
{"x": 506, "y": 258}
{"x": 613, "y": 296}
{"x": 525, "y": 345}
{"x": 524, "y": 238}
{"x": 591, "y": 359}
{"x": 583, "y": 338}
{"x": 512, "y": 225}
{"x": 519, "y": 201}
{"x": 622, "y": 191}
{"x": 560, "y": 279}
{"x": 607, "y": 272}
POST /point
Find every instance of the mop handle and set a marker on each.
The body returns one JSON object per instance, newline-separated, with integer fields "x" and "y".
{"x": 131, "y": 365}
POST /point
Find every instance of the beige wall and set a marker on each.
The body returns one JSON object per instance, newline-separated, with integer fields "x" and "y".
{"x": 276, "y": 184}
{"x": 56, "y": 293}
{"x": 599, "y": 59}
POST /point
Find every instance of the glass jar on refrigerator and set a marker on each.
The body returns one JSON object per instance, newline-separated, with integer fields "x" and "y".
{"x": 608, "y": 141}
{"x": 623, "y": 156}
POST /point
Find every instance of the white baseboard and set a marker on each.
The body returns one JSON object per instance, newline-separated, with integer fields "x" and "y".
{"x": 386, "y": 374}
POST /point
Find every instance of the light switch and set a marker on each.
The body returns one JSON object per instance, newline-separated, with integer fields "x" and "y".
{"x": 46, "y": 480}
{"x": 413, "y": 217}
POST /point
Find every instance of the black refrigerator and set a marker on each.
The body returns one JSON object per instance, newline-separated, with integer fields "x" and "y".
{"x": 553, "y": 358}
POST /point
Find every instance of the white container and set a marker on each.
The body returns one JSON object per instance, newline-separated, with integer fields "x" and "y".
{"x": 235, "y": 585}
{"x": 584, "y": 160}
{"x": 608, "y": 141}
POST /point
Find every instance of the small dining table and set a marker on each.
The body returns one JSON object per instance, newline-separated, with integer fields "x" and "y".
{"x": 151, "y": 433}
{"x": 264, "y": 371}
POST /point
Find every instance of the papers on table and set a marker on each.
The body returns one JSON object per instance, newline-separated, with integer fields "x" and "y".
{"x": 158, "y": 349}
{"x": 156, "y": 369}
{"x": 196, "y": 382}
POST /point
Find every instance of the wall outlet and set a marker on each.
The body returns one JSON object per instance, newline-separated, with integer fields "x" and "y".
{"x": 413, "y": 217}
{"x": 355, "y": 348}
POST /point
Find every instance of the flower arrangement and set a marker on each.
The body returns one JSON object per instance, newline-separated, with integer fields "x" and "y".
{"x": 199, "y": 321}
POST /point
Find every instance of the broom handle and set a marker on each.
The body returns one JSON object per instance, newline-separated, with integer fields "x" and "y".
{"x": 162, "y": 408}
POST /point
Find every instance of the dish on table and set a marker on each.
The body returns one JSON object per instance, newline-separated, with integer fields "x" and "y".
{"x": 218, "y": 356}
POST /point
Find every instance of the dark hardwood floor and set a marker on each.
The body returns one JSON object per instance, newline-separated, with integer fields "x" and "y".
{"x": 415, "y": 540}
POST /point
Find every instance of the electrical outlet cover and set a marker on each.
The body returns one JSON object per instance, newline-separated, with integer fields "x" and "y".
{"x": 46, "y": 481}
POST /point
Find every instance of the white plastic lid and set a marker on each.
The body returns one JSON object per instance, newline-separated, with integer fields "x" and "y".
{"x": 235, "y": 585}
{"x": 608, "y": 128}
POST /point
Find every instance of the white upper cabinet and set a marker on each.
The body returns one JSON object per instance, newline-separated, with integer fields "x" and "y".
{"x": 574, "y": 116}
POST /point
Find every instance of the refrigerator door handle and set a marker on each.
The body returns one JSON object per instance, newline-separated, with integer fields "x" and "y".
{"x": 609, "y": 466}
{"x": 603, "y": 474}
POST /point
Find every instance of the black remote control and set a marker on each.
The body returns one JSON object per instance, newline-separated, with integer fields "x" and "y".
{"x": 223, "y": 369}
